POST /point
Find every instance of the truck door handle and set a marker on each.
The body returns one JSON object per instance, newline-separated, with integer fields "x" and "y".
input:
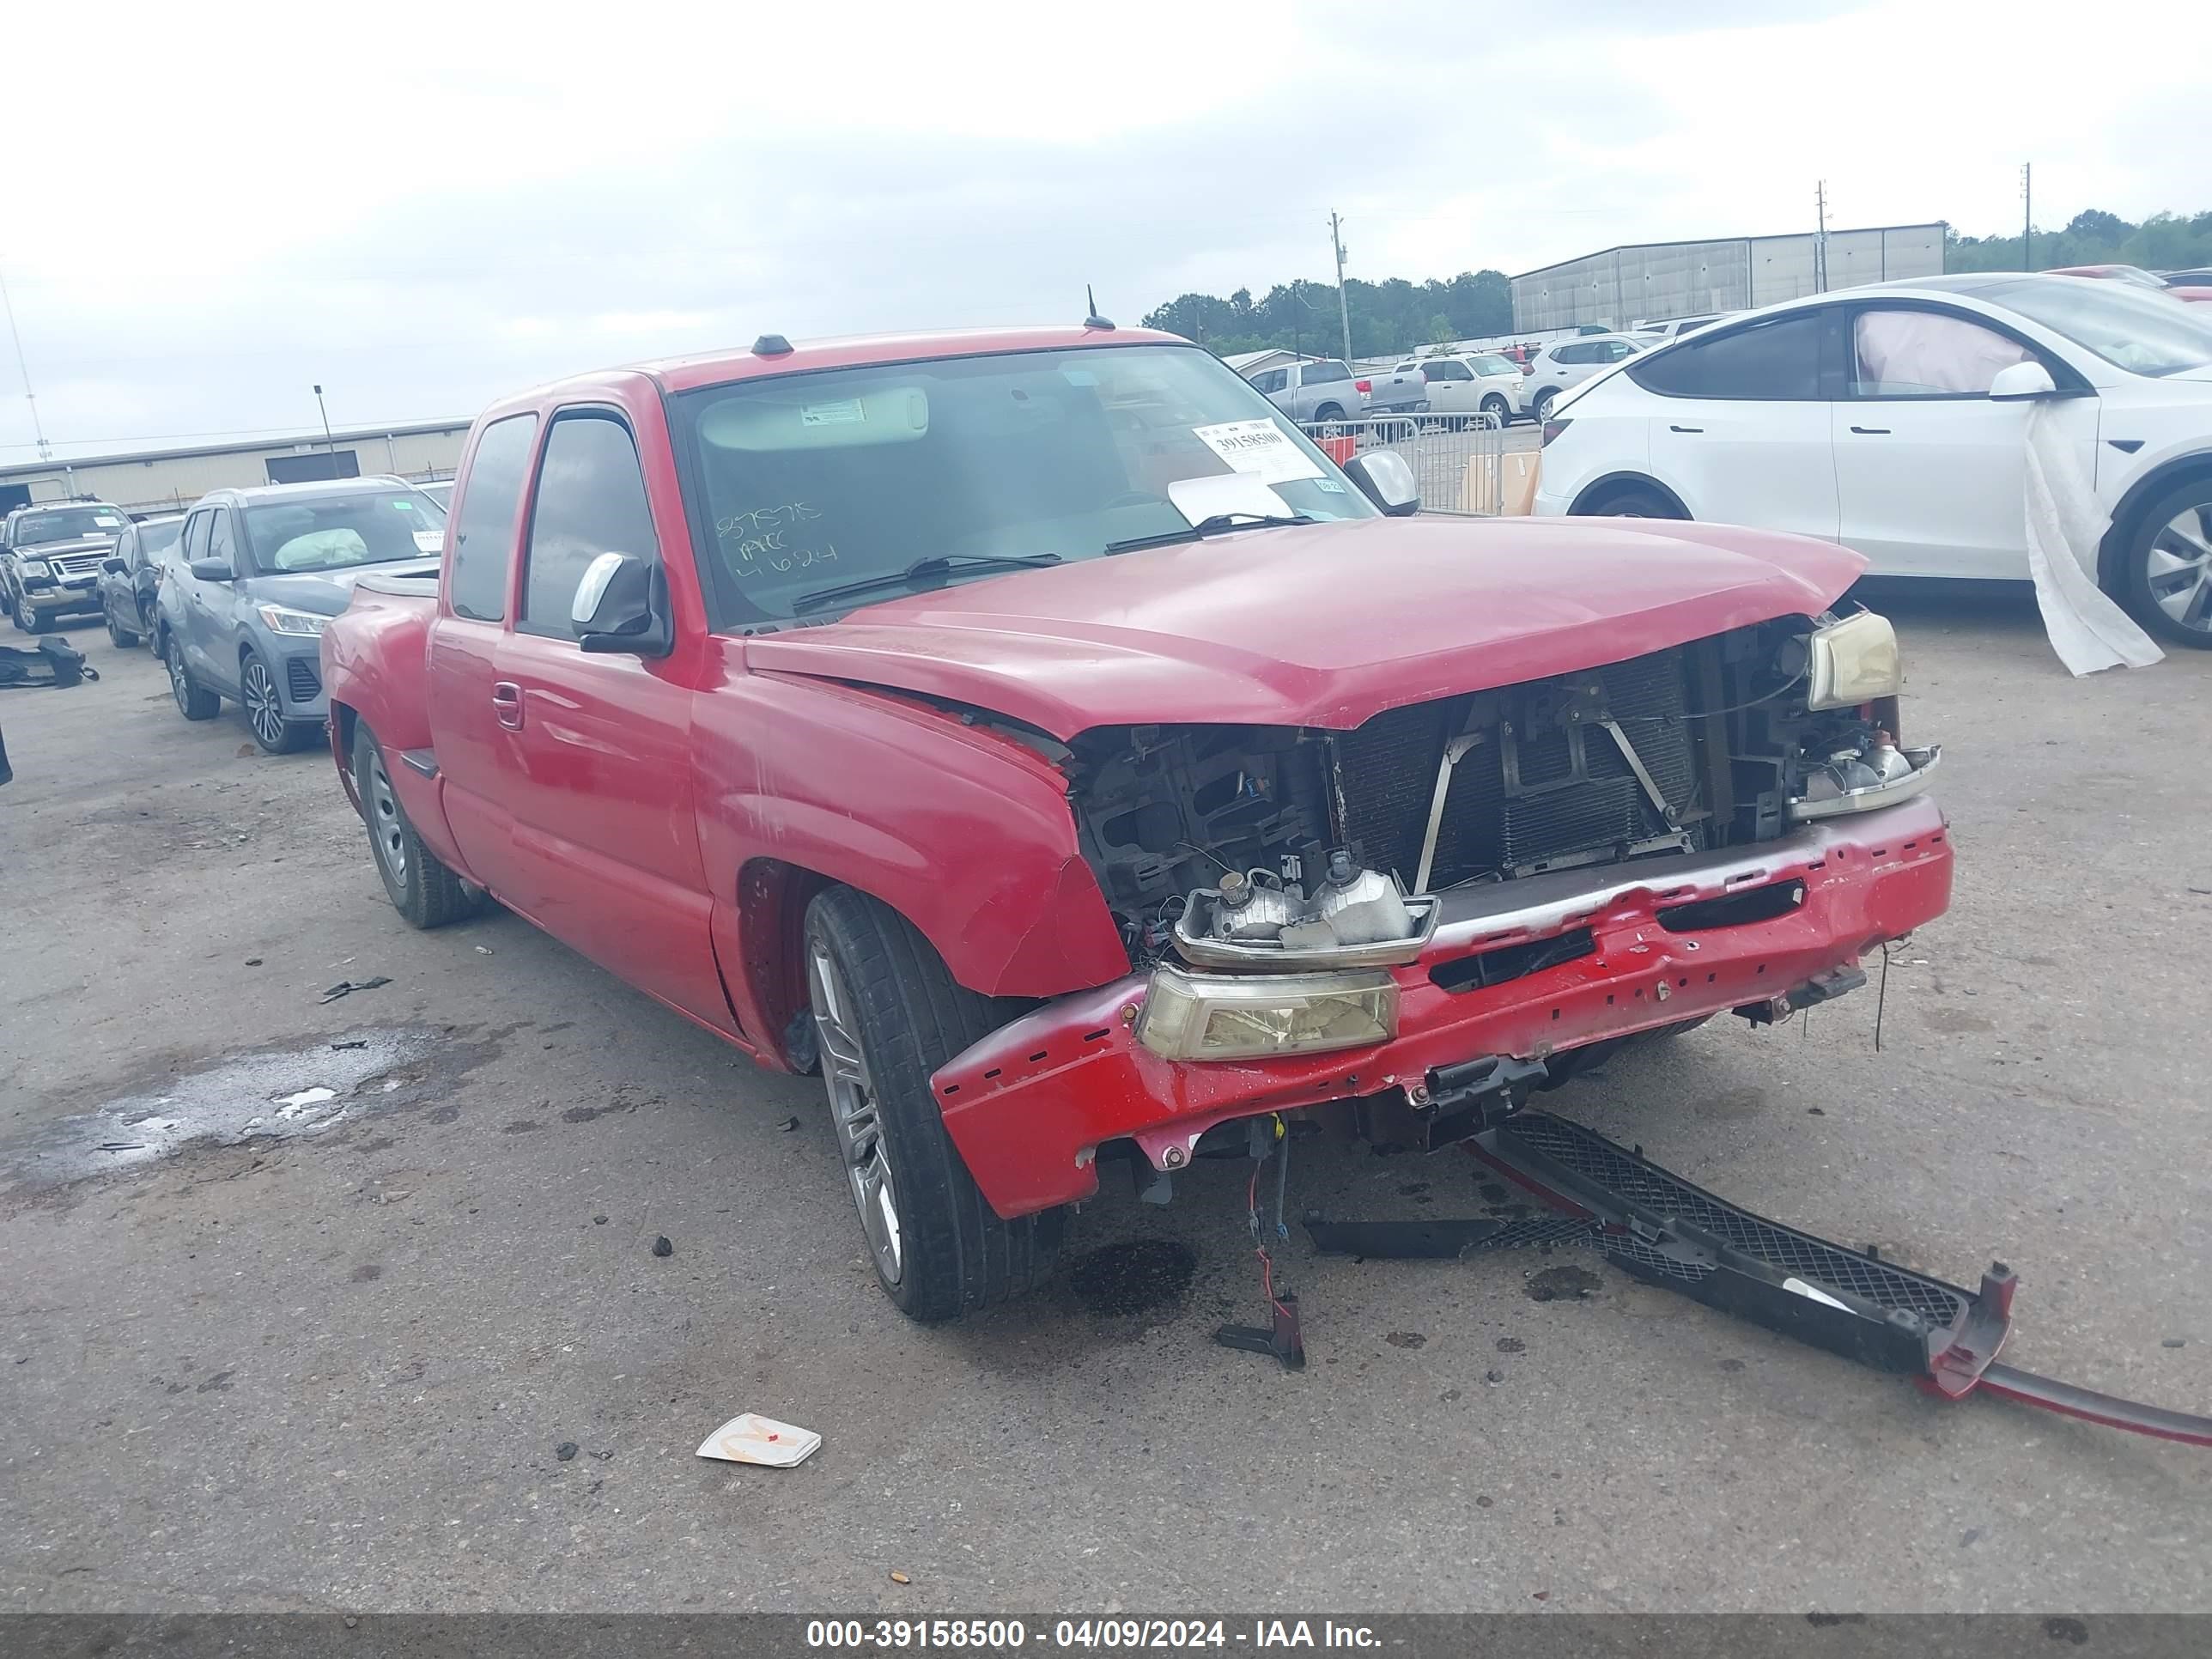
{"x": 1686, "y": 428}
{"x": 506, "y": 704}
{"x": 1872, "y": 431}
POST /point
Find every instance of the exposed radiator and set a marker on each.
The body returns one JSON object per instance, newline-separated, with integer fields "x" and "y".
{"x": 1569, "y": 793}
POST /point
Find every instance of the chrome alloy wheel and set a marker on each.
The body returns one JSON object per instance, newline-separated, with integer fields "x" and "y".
{"x": 851, "y": 1086}
{"x": 264, "y": 709}
{"x": 386, "y": 828}
{"x": 2178, "y": 567}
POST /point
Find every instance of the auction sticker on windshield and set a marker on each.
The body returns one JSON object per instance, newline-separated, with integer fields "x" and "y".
{"x": 1259, "y": 448}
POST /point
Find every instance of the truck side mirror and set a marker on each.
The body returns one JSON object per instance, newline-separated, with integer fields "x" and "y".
{"x": 1385, "y": 479}
{"x": 621, "y": 608}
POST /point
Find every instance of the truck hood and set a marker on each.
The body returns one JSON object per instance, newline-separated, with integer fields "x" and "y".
{"x": 326, "y": 593}
{"x": 1323, "y": 625}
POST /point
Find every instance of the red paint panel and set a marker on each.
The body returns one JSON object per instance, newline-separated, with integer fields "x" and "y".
{"x": 1316, "y": 625}
{"x": 1028, "y": 1104}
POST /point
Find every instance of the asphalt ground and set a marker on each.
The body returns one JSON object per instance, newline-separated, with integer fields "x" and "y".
{"x": 329, "y": 1359}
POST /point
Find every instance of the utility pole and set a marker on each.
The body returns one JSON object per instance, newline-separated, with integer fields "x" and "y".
{"x": 329, "y": 442}
{"x": 2026, "y": 217}
{"x": 37, "y": 431}
{"x": 1343, "y": 306}
{"x": 1820, "y": 237}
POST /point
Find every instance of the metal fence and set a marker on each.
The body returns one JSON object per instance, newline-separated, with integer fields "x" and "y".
{"x": 1458, "y": 461}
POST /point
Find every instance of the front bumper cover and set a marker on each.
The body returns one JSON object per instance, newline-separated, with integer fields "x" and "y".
{"x": 54, "y": 596}
{"x": 1028, "y": 1105}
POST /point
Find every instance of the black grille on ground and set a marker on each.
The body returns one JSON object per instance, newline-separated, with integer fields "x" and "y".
{"x": 1575, "y": 791}
{"x": 1584, "y": 1153}
{"x": 301, "y": 680}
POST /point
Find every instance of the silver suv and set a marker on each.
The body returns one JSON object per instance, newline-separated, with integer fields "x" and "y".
{"x": 1569, "y": 362}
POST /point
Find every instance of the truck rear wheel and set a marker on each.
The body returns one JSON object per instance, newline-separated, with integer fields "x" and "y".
{"x": 888, "y": 1013}
{"x": 421, "y": 889}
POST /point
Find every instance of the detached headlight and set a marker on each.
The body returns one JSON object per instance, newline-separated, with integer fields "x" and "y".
{"x": 38, "y": 568}
{"x": 283, "y": 619}
{"x": 1248, "y": 1016}
{"x": 1852, "y": 662}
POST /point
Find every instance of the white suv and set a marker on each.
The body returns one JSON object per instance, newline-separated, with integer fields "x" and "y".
{"x": 1569, "y": 362}
{"x": 1894, "y": 419}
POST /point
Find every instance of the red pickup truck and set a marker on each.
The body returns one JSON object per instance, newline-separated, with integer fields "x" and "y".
{"x": 1038, "y": 734}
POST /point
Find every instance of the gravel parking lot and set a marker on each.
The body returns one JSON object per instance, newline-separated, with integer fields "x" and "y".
{"x": 264, "y": 1347}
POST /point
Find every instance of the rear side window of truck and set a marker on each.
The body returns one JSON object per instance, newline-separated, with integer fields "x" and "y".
{"x": 483, "y": 529}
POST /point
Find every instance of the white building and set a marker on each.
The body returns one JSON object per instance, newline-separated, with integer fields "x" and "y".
{"x": 1655, "y": 281}
{"x": 158, "y": 480}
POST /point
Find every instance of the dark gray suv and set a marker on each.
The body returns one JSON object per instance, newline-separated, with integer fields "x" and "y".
{"x": 258, "y": 573}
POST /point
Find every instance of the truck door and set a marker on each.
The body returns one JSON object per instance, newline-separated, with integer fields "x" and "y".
{"x": 468, "y": 729}
{"x": 596, "y": 767}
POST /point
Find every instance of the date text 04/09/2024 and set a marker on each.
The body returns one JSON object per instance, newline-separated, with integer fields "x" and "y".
{"x": 1007, "y": 1635}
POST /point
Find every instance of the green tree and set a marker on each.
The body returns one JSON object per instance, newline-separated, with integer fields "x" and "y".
{"x": 1388, "y": 317}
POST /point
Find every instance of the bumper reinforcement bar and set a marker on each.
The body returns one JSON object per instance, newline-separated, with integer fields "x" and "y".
{"x": 1657, "y": 1226}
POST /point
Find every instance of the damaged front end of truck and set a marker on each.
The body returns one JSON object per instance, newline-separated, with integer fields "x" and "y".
{"x": 1460, "y": 900}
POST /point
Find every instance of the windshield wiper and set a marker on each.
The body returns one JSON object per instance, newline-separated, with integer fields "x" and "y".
{"x": 1212, "y": 527}
{"x": 942, "y": 564}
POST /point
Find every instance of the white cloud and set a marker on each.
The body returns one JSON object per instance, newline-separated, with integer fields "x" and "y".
{"x": 428, "y": 207}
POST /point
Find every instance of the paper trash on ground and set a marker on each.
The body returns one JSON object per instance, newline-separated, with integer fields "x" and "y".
{"x": 749, "y": 1437}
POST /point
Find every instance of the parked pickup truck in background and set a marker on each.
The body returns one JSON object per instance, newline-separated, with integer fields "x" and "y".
{"x": 1400, "y": 389}
{"x": 1323, "y": 390}
{"x": 1039, "y": 736}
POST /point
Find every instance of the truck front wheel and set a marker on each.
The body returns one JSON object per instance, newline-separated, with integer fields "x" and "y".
{"x": 421, "y": 889}
{"x": 888, "y": 1013}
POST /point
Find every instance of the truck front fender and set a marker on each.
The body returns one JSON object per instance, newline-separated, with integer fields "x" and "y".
{"x": 964, "y": 830}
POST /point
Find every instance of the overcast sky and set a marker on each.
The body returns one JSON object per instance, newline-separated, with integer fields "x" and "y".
{"x": 425, "y": 207}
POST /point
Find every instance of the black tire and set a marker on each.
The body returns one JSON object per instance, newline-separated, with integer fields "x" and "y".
{"x": 1327, "y": 412}
{"x": 949, "y": 1252}
{"x": 1540, "y": 410}
{"x": 1631, "y": 502}
{"x": 264, "y": 703}
{"x": 2186, "y": 584}
{"x": 194, "y": 701}
{"x": 1500, "y": 411}
{"x": 28, "y": 620}
{"x": 123, "y": 639}
{"x": 420, "y": 886}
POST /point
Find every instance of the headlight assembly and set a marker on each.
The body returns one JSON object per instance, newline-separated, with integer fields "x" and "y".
{"x": 1250, "y": 1016}
{"x": 283, "y": 619}
{"x": 1851, "y": 662}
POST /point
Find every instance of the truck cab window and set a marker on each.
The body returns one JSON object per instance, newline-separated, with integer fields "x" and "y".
{"x": 482, "y": 533}
{"x": 591, "y": 500}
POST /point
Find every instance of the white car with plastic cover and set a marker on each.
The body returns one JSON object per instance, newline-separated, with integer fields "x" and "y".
{"x": 1897, "y": 419}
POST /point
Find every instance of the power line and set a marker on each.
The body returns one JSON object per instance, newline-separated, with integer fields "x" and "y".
{"x": 46, "y": 453}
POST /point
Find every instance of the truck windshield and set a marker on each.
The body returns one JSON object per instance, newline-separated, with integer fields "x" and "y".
{"x": 67, "y": 524}
{"x": 337, "y": 532}
{"x": 835, "y": 478}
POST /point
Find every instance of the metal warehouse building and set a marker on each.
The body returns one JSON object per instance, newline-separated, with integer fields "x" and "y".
{"x": 158, "y": 480}
{"x": 1652, "y": 282}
